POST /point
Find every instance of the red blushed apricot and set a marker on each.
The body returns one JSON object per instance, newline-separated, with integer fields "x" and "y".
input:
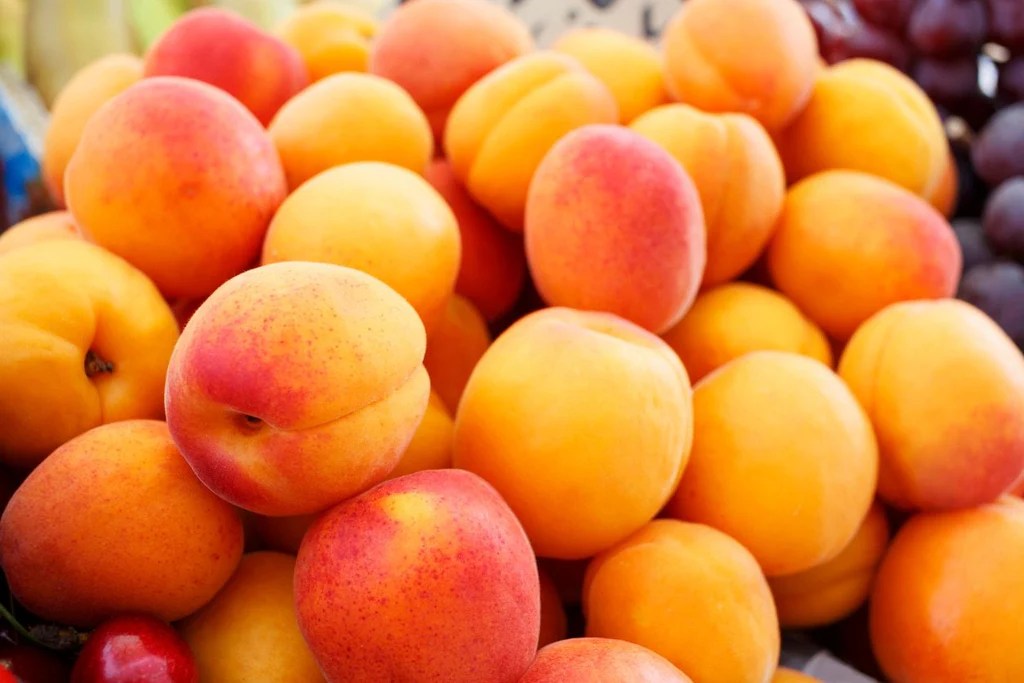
{"x": 179, "y": 179}
{"x": 224, "y": 49}
{"x": 848, "y": 244}
{"x": 427, "y": 577}
{"x": 707, "y": 48}
{"x": 437, "y": 49}
{"x": 88, "y": 90}
{"x": 734, "y": 319}
{"x": 600, "y": 660}
{"x": 503, "y": 125}
{"x": 114, "y": 521}
{"x": 834, "y": 589}
{"x": 738, "y": 175}
{"x": 54, "y": 225}
{"x": 454, "y": 348}
{"x": 905, "y": 365}
{"x": 493, "y": 265}
{"x": 614, "y": 223}
{"x": 867, "y": 116}
{"x": 629, "y": 66}
{"x": 948, "y": 601}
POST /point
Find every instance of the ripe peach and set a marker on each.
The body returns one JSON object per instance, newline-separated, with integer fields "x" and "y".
{"x": 350, "y": 117}
{"x": 379, "y": 218}
{"x": 296, "y": 386}
{"x": 527, "y": 423}
{"x": 437, "y": 49}
{"x": 331, "y": 37}
{"x": 431, "y": 444}
{"x": 867, "y": 116}
{"x": 249, "y": 631}
{"x": 53, "y": 225}
{"x": 948, "y": 602}
{"x": 600, "y": 660}
{"x": 493, "y": 266}
{"x": 784, "y": 675}
{"x": 454, "y": 348}
{"x": 614, "y": 223}
{"x": 500, "y": 129}
{"x": 903, "y": 365}
{"x": 88, "y": 90}
{"x": 183, "y": 192}
{"x": 848, "y": 244}
{"x": 629, "y": 66}
{"x": 707, "y": 48}
{"x": 114, "y": 521}
{"x": 553, "y": 620}
{"x": 734, "y": 319}
{"x": 832, "y": 590}
{"x": 86, "y": 340}
{"x": 772, "y": 427}
{"x": 738, "y": 176}
{"x": 226, "y": 50}
{"x": 427, "y": 577}
{"x": 691, "y": 594}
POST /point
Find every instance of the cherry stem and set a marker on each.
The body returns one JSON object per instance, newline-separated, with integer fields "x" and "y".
{"x": 16, "y": 625}
{"x": 94, "y": 364}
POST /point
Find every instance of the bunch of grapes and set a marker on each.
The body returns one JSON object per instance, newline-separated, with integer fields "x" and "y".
{"x": 968, "y": 56}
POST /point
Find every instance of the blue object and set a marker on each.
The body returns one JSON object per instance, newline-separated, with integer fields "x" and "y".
{"x": 23, "y": 119}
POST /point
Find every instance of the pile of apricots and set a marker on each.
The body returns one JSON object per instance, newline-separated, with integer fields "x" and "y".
{"x": 405, "y": 349}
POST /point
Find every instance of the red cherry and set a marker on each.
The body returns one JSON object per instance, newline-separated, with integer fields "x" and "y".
{"x": 135, "y": 649}
{"x": 6, "y": 676}
{"x": 31, "y": 664}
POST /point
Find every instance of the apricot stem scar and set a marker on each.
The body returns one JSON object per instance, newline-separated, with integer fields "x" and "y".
{"x": 95, "y": 364}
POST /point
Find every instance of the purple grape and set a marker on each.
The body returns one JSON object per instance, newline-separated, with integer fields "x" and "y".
{"x": 1011, "y": 80}
{"x": 829, "y": 21}
{"x": 866, "y": 40}
{"x": 998, "y": 289}
{"x": 972, "y": 241}
{"x": 1003, "y": 219}
{"x": 998, "y": 152}
{"x": 892, "y": 14}
{"x": 972, "y": 192}
{"x": 942, "y": 28}
{"x": 948, "y": 81}
{"x": 1006, "y": 18}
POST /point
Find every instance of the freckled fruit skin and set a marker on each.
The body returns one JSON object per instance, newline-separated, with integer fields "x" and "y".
{"x": 427, "y": 577}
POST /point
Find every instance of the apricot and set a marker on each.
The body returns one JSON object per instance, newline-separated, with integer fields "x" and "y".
{"x": 690, "y": 593}
{"x": 454, "y": 348}
{"x": 500, "y": 129}
{"x": 600, "y": 660}
{"x": 437, "y": 49}
{"x": 493, "y": 266}
{"x": 630, "y": 67}
{"x": 553, "y": 620}
{"x": 114, "y": 521}
{"x": 86, "y": 340}
{"x": 834, "y": 589}
{"x": 903, "y": 365}
{"x": 182, "y": 192}
{"x": 848, "y": 244}
{"x": 867, "y": 116}
{"x": 331, "y": 37}
{"x": 89, "y": 89}
{"x": 784, "y": 675}
{"x": 350, "y": 117}
{"x": 946, "y": 192}
{"x": 427, "y": 577}
{"x": 53, "y": 225}
{"x": 249, "y": 631}
{"x": 948, "y": 602}
{"x": 738, "y": 176}
{"x": 431, "y": 444}
{"x": 707, "y": 48}
{"x": 379, "y": 218}
{"x": 550, "y": 410}
{"x": 614, "y": 223}
{"x": 296, "y": 386}
{"x": 734, "y": 319}
{"x": 772, "y": 427}
{"x": 226, "y": 50}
